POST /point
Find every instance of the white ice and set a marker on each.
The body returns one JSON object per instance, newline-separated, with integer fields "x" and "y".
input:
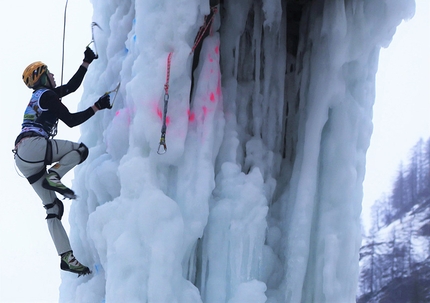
{"x": 258, "y": 197}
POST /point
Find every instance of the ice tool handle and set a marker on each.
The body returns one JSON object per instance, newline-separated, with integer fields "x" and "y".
{"x": 93, "y": 41}
{"x": 115, "y": 90}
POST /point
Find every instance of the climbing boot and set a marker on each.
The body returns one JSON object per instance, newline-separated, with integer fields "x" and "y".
{"x": 69, "y": 263}
{"x": 52, "y": 182}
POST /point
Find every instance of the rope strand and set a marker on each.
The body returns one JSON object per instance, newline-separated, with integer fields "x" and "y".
{"x": 64, "y": 40}
{"x": 204, "y": 28}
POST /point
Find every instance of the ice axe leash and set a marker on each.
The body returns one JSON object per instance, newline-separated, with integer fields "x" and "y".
{"x": 162, "y": 147}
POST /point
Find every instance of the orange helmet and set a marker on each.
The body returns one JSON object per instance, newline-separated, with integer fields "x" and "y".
{"x": 33, "y": 73}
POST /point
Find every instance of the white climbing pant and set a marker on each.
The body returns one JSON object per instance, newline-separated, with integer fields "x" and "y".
{"x": 29, "y": 158}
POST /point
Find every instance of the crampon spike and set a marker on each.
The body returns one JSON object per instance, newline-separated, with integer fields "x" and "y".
{"x": 84, "y": 273}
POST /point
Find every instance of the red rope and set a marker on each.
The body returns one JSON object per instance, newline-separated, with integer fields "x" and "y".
{"x": 166, "y": 86}
{"x": 203, "y": 29}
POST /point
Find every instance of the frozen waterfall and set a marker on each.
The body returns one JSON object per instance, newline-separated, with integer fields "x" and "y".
{"x": 258, "y": 197}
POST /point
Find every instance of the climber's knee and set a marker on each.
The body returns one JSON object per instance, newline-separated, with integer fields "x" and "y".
{"x": 55, "y": 209}
{"x": 83, "y": 151}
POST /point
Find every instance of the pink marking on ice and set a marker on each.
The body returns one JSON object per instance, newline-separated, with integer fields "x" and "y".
{"x": 191, "y": 116}
{"x": 159, "y": 113}
{"x": 126, "y": 114}
{"x": 212, "y": 97}
{"x": 210, "y": 58}
{"x": 205, "y": 110}
{"x": 217, "y": 49}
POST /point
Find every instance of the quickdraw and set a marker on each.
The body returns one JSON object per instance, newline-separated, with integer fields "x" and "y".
{"x": 162, "y": 148}
{"x": 203, "y": 31}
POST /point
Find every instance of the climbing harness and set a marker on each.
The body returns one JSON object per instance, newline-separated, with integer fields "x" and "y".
{"x": 93, "y": 41}
{"x": 47, "y": 160}
{"x": 162, "y": 148}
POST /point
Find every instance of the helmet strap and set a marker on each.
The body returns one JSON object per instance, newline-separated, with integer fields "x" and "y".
{"x": 45, "y": 81}
{"x": 49, "y": 81}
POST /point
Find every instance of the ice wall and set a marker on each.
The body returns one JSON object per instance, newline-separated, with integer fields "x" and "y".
{"x": 257, "y": 198}
{"x": 336, "y": 79}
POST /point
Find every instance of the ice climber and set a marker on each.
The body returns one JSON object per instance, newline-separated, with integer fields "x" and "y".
{"x": 35, "y": 148}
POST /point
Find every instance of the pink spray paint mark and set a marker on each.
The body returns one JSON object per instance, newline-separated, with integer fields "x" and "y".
{"x": 212, "y": 97}
{"x": 126, "y": 111}
{"x": 159, "y": 113}
{"x": 217, "y": 49}
{"x": 191, "y": 116}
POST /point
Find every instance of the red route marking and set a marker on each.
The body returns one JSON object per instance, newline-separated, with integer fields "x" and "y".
{"x": 124, "y": 111}
{"x": 191, "y": 116}
{"x": 160, "y": 115}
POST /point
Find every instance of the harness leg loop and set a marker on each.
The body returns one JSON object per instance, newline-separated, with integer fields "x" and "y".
{"x": 59, "y": 211}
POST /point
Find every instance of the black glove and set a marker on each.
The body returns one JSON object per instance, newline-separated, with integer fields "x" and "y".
{"x": 103, "y": 102}
{"x": 89, "y": 55}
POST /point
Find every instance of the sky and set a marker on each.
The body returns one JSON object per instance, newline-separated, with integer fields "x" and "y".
{"x": 32, "y": 31}
{"x": 401, "y": 114}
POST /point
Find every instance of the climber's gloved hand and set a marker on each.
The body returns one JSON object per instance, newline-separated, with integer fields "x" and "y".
{"x": 89, "y": 55}
{"x": 103, "y": 102}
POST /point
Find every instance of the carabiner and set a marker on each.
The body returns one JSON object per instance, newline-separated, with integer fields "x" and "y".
{"x": 162, "y": 148}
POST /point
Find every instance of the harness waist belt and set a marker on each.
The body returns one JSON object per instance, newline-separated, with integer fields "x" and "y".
{"x": 26, "y": 135}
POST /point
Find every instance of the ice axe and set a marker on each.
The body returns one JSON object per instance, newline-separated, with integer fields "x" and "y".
{"x": 115, "y": 90}
{"x": 93, "y": 41}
